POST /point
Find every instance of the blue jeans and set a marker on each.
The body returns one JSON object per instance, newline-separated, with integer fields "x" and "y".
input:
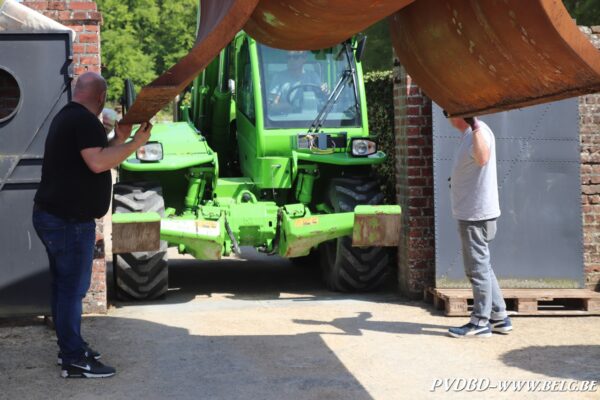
{"x": 487, "y": 297}
{"x": 70, "y": 248}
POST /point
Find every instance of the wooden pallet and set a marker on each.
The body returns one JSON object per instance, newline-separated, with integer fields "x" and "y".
{"x": 455, "y": 302}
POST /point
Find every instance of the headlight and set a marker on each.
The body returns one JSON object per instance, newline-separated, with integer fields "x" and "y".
{"x": 151, "y": 151}
{"x": 363, "y": 147}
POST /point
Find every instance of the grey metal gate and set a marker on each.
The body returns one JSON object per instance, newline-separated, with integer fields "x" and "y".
{"x": 39, "y": 64}
{"x": 539, "y": 242}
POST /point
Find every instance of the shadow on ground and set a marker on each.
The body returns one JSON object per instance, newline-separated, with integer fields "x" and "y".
{"x": 579, "y": 362}
{"x": 354, "y": 326}
{"x": 156, "y": 361}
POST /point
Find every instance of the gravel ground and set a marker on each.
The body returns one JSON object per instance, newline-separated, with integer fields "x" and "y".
{"x": 264, "y": 329}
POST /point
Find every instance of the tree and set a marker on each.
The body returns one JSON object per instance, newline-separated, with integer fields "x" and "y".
{"x": 585, "y": 12}
{"x": 142, "y": 38}
{"x": 176, "y": 31}
{"x": 378, "y": 52}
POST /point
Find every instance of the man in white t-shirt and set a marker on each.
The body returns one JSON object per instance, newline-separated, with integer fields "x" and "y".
{"x": 474, "y": 197}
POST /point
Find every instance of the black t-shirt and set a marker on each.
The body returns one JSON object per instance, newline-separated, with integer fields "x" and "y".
{"x": 69, "y": 189}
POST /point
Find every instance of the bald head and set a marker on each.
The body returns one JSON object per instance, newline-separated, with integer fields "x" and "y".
{"x": 90, "y": 91}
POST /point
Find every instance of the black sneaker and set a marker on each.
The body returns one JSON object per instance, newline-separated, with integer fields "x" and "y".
{"x": 87, "y": 368}
{"x": 89, "y": 353}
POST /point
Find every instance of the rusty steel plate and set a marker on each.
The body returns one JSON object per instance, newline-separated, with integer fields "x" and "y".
{"x": 135, "y": 236}
{"x": 315, "y": 24}
{"x": 478, "y": 57}
{"x": 376, "y": 230}
{"x": 220, "y": 20}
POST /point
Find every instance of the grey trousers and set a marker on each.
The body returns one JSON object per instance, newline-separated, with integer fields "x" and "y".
{"x": 487, "y": 297}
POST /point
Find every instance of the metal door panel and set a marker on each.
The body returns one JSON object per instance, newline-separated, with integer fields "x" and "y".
{"x": 539, "y": 240}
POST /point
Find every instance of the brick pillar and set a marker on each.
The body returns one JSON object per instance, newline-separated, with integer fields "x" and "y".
{"x": 414, "y": 185}
{"x": 83, "y": 17}
{"x": 589, "y": 114}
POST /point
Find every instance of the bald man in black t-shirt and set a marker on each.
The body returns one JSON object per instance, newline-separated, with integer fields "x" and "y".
{"x": 74, "y": 190}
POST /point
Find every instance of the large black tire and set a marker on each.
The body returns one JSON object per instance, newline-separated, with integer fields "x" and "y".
{"x": 140, "y": 275}
{"x": 346, "y": 268}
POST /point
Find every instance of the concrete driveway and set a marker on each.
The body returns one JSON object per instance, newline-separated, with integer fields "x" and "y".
{"x": 262, "y": 328}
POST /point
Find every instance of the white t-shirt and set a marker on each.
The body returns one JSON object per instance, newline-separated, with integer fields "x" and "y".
{"x": 474, "y": 189}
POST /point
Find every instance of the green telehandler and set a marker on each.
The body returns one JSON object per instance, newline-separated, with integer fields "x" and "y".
{"x": 270, "y": 149}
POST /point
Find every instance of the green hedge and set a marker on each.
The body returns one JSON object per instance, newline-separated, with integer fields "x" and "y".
{"x": 379, "y": 86}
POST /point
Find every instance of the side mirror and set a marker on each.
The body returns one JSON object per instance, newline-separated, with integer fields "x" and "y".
{"x": 360, "y": 48}
{"x": 129, "y": 95}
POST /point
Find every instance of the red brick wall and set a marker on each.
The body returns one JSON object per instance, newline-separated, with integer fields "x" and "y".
{"x": 589, "y": 114}
{"x": 414, "y": 185}
{"x": 83, "y": 17}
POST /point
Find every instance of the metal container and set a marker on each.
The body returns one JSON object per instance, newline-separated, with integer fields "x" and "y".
{"x": 39, "y": 63}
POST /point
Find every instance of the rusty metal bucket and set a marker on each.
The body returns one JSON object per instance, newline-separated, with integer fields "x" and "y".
{"x": 289, "y": 24}
{"x": 315, "y": 24}
{"x": 479, "y": 57}
{"x": 471, "y": 57}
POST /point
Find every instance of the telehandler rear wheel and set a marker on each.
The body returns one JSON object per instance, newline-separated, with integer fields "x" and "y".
{"x": 346, "y": 268}
{"x": 140, "y": 275}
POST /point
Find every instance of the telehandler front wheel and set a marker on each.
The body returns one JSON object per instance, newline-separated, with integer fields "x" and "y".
{"x": 346, "y": 268}
{"x": 141, "y": 275}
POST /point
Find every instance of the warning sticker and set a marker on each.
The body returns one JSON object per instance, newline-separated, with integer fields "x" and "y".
{"x": 306, "y": 221}
{"x": 196, "y": 227}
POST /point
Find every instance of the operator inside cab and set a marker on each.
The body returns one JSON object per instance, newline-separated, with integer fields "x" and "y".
{"x": 287, "y": 87}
